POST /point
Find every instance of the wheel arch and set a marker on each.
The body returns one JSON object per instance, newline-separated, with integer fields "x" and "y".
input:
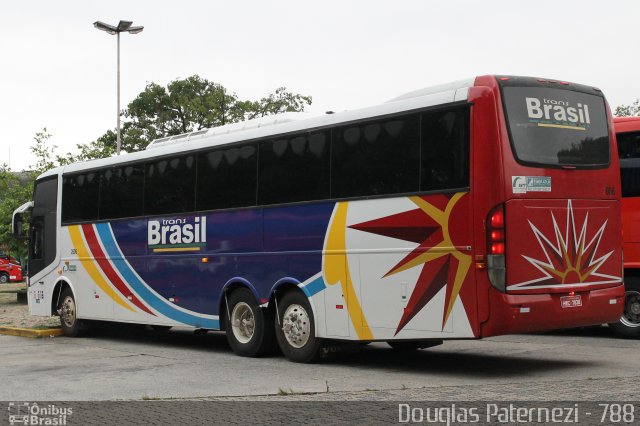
{"x": 286, "y": 285}
{"x": 59, "y": 286}
{"x": 231, "y": 285}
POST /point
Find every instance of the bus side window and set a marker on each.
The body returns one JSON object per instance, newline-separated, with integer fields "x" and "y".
{"x": 629, "y": 153}
{"x": 227, "y": 178}
{"x": 81, "y": 194}
{"x": 121, "y": 191}
{"x": 376, "y": 157}
{"x": 445, "y": 150}
{"x": 299, "y": 163}
{"x": 170, "y": 185}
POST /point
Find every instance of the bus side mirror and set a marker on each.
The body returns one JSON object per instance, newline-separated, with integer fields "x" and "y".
{"x": 16, "y": 220}
{"x": 17, "y": 226}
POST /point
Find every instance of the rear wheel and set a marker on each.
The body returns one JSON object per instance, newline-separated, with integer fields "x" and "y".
{"x": 295, "y": 329}
{"x": 629, "y": 324}
{"x": 4, "y": 278}
{"x": 68, "y": 314}
{"x": 249, "y": 330}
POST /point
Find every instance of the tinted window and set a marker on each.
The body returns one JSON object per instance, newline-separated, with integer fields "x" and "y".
{"x": 80, "y": 197}
{"x": 629, "y": 152}
{"x": 557, "y": 127}
{"x": 294, "y": 169}
{"x": 121, "y": 191}
{"x": 227, "y": 178}
{"x": 170, "y": 185}
{"x": 45, "y": 197}
{"x": 42, "y": 247}
{"x": 445, "y": 150}
{"x": 375, "y": 157}
{"x": 36, "y": 241}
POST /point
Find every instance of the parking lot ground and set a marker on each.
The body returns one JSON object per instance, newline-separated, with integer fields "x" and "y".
{"x": 14, "y": 313}
{"x": 134, "y": 364}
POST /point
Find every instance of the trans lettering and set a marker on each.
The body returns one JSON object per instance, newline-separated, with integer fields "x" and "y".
{"x": 177, "y": 231}
{"x": 551, "y": 109}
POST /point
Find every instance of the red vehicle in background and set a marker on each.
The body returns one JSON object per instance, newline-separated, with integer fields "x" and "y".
{"x": 628, "y": 136}
{"x": 10, "y": 269}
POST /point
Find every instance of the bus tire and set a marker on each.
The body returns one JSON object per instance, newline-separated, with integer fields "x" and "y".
{"x": 71, "y": 325}
{"x": 4, "y": 278}
{"x": 249, "y": 330}
{"x": 629, "y": 324}
{"x": 295, "y": 329}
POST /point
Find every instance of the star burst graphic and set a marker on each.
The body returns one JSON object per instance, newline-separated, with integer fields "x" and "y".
{"x": 570, "y": 259}
{"x": 442, "y": 263}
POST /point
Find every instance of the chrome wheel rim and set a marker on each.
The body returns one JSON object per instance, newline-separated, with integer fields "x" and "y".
{"x": 631, "y": 314}
{"x": 68, "y": 312}
{"x": 243, "y": 322}
{"x": 296, "y": 326}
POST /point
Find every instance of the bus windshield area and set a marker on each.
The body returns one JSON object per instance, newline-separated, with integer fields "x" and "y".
{"x": 555, "y": 127}
{"x": 629, "y": 152}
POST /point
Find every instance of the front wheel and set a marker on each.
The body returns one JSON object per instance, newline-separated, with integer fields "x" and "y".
{"x": 249, "y": 329}
{"x": 68, "y": 314}
{"x": 295, "y": 329}
{"x": 4, "y": 278}
{"x": 629, "y": 324}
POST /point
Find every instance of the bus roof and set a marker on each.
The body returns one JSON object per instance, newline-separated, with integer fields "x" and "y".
{"x": 626, "y": 124}
{"x": 276, "y": 125}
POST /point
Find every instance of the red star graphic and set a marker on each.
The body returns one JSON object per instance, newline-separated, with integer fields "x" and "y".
{"x": 440, "y": 268}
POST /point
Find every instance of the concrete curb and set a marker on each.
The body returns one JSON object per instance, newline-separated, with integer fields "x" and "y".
{"x": 30, "y": 332}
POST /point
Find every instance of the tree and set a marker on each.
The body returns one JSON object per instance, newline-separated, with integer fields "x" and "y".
{"x": 184, "y": 106}
{"x": 16, "y": 188}
{"x": 628, "y": 110}
{"x": 46, "y": 158}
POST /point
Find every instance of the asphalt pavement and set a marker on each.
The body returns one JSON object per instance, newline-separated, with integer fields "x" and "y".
{"x": 127, "y": 363}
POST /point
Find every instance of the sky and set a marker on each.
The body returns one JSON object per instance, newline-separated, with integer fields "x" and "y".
{"x": 57, "y": 71}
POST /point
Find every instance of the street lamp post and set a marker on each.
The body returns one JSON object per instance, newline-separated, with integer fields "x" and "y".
{"x": 123, "y": 26}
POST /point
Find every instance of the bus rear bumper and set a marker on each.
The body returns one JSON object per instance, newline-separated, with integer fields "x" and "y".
{"x": 522, "y": 313}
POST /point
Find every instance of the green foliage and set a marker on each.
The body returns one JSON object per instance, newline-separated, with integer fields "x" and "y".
{"x": 278, "y": 102}
{"x": 16, "y": 188}
{"x": 183, "y": 106}
{"x": 628, "y": 110}
{"x": 44, "y": 153}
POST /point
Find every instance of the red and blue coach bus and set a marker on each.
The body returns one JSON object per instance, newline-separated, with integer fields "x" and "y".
{"x": 482, "y": 207}
{"x": 628, "y": 137}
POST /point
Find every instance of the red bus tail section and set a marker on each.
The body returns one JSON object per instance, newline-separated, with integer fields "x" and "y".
{"x": 562, "y": 263}
{"x": 558, "y": 246}
{"x": 516, "y": 313}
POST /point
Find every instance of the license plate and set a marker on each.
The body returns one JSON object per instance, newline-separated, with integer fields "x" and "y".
{"x": 570, "y": 301}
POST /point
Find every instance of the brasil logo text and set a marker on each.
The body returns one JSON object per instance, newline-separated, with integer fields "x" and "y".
{"x": 177, "y": 234}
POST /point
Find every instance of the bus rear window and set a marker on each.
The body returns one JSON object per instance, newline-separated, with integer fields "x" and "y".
{"x": 554, "y": 127}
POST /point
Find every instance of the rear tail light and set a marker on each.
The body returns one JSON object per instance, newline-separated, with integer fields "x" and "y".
{"x": 496, "y": 248}
{"x": 495, "y": 231}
